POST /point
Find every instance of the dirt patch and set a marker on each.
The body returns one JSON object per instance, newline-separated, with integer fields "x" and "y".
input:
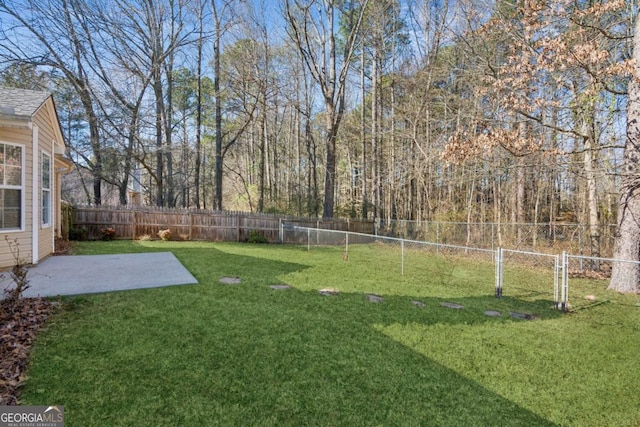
{"x": 18, "y": 328}
{"x": 230, "y": 280}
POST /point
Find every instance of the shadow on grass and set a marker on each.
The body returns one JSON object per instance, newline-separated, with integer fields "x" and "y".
{"x": 251, "y": 355}
{"x": 345, "y": 354}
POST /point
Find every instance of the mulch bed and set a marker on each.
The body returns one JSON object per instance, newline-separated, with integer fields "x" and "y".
{"x": 18, "y": 328}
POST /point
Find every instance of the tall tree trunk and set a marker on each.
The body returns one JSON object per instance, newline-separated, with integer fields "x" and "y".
{"x": 157, "y": 89}
{"x": 330, "y": 165}
{"x": 95, "y": 145}
{"x": 375, "y": 159}
{"x": 590, "y": 175}
{"x": 218, "y": 105}
{"x": 312, "y": 192}
{"x": 363, "y": 141}
{"x": 168, "y": 133}
{"x": 128, "y": 160}
{"x": 297, "y": 126}
{"x": 198, "y": 160}
{"x": 393, "y": 191}
{"x": 156, "y": 64}
{"x": 523, "y": 130}
{"x": 625, "y": 277}
{"x": 263, "y": 152}
{"x": 184, "y": 164}
{"x": 592, "y": 199}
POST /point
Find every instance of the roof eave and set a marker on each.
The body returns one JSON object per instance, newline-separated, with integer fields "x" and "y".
{"x": 15, "y": 121}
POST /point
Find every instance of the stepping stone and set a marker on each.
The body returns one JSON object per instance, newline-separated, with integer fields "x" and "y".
{"x": 452, "y": 305}
{"x": 419, "y": 304}
{"x": 280, "y": 287}
{"x": 328, "y": 291}
{"x": 374, "y": 298}
{"x": 492, "y": 313}
{"x": 523, "y": 316}
{"x": 231, "y": 281}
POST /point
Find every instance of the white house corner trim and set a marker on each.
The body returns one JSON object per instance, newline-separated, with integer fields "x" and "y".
{"x": 35, "y": 217}
{"x": 53, "y": 188}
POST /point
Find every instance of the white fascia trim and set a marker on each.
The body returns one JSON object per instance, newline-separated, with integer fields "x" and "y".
{"x": 35, "y": 218}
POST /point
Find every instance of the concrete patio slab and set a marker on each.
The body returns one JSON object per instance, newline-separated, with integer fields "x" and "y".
{"x": 87, "y": 274}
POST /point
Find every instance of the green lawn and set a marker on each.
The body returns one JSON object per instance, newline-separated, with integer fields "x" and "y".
{"x": 211, "y": 354}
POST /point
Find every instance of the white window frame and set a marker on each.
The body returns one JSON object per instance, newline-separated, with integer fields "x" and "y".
{"x": 21, "y": 187}
{"x": 44, "y": 190}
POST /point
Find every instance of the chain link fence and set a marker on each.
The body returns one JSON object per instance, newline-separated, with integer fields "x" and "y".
{"x": 538, "y": 237}
{"x": 547, "y": 267}
{"x": 554, "y": 271}
{"x": 406, "y": 251}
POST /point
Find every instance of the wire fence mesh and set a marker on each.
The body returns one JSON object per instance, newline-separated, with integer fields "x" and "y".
{"x": 539, "y": 237}
{"x": 408, "y": 248}
{"x": 581, "y": 272}
{"x": 545, "y": 266}
{"x": 512, "y": 266}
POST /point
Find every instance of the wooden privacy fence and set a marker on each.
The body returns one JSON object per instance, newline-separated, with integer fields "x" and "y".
{"x": 185, "y": 224}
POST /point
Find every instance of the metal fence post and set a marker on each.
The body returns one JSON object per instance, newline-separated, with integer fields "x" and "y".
{"x": 346, "y": 243}
{"x": 565, "y": 281}
{"x": 580, "y": 241}
{"x": 402, "y": 249}
{"x": 308, "y": 239}
{"x": 492, "y": 236}
{"x": 556, "y": 272}
{"x": 499, "y": 272}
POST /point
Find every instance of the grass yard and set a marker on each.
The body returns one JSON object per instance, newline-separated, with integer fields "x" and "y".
{"x": 212, "y": 354}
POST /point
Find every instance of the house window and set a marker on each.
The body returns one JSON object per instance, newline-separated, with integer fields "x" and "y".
{"x": 46, "y": 189}
{"x": 10, "y": 187}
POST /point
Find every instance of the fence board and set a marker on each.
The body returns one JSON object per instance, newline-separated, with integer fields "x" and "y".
{"x": 186, "y": 224}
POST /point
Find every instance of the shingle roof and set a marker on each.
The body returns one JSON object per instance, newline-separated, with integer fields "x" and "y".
{"x": 21, "y": 102}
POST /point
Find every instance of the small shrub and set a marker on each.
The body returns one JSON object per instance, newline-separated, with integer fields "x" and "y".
{"x": 108, "y": 233}
{"x": 18, "y": 274}
{"x": 62, "y": 246}
{"x": 257, "y": 237}
{"x": 145, "y": 237}
{"x": 78, "y": 234}
{"x": 165, "y": 234}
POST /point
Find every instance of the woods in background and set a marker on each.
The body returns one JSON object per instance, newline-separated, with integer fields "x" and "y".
{"x": 509, "y": 111}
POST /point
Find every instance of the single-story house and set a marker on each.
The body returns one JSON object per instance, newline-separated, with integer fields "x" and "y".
{"x": 32, "y": 162}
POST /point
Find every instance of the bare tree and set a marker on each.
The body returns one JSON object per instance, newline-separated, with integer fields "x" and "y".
{"x": 312, "y": 27}
{"x": 54, "y": 40}
{"x": 199, "y": 56}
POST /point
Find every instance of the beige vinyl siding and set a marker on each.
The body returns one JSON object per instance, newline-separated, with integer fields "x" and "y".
{"x": 56, "y": 198}
{"x": 22, "y": 137}
{"x": 48, "y": 136}
{"x": 45, "y": 143}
